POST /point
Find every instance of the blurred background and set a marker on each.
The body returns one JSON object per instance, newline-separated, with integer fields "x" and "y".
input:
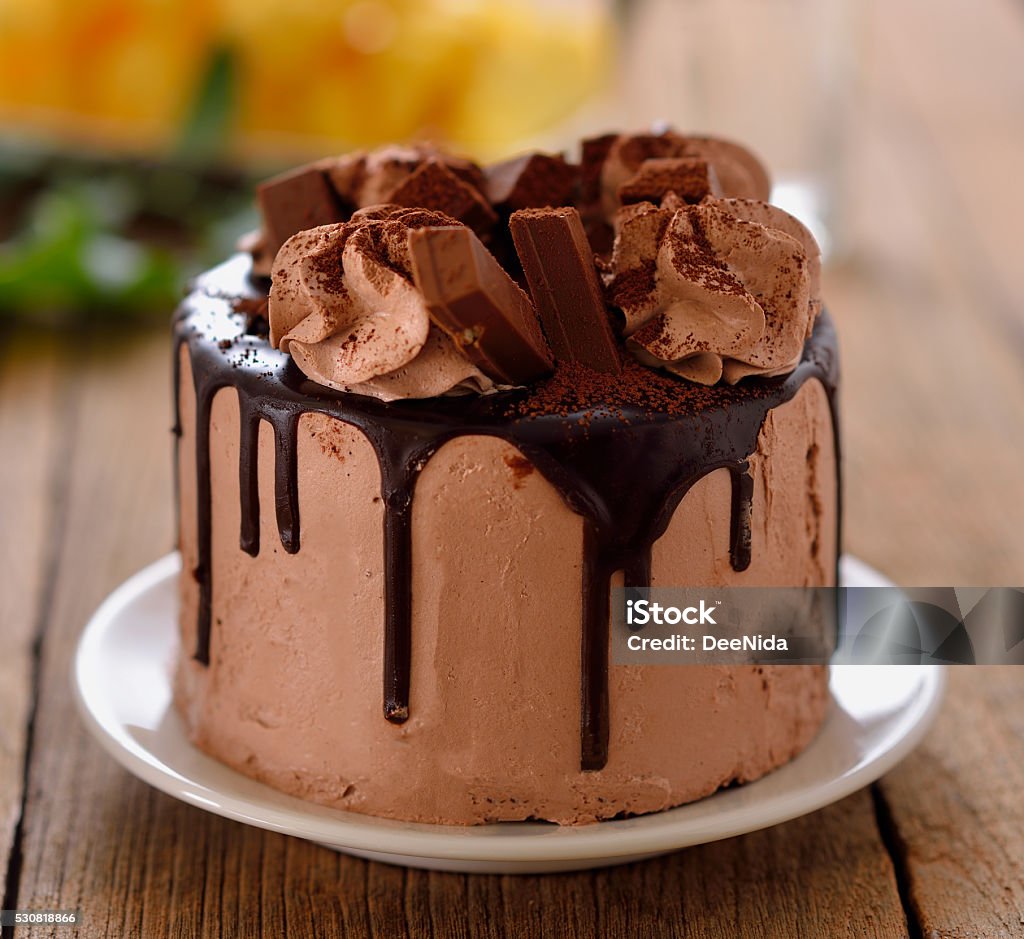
{"x": 133, "y": 131}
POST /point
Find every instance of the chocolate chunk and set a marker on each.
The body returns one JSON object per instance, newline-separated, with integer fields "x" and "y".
{"x": 530, "y": 181}
{"x": 559, "y": 267}
{"x": 601, "y": 236}
{"x": 296, "y": 201}
{"x": 364, "y": 179}
{"x": 466, "y": 170}
{"x": 434, "y": 186}
{"x": 634, "y": 149}
{"x": 594, "y": 151}
{"x": 475, "y": 302}
{"x": 690, "y": 178}
{"x": 347, "y": 174}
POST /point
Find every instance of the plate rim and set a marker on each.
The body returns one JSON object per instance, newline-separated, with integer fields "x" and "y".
{"x": 649, "y": 834}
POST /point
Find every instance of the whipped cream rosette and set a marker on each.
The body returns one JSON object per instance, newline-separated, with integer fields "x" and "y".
{"x": 715, "y": 291}
{"x": 343, "y": 305}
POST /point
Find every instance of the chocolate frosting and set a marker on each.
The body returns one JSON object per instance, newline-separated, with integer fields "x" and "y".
{"x": 719, "y": 290}
{"x": 343, "y": 305}
{"x": 593, "y": 455}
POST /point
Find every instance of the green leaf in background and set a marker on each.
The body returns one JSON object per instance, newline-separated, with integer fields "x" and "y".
{"x": 69, "y": 263}
{"x": 90, "y": 239}
{"x": 208, "y": 123}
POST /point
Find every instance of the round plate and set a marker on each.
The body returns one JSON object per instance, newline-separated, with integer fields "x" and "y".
{"x": 121, "y": 676}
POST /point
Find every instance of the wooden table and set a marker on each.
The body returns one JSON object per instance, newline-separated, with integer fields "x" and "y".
{"x": 929, "y": 307}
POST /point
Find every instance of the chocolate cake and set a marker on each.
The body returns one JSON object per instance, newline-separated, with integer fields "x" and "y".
{"x": 428, "y": 421}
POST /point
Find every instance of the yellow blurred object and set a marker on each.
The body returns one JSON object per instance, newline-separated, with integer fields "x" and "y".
{"x": 307, "y": 76}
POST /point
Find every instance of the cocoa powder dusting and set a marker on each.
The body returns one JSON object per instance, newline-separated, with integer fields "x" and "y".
{"x": 575, "y": 391}
{"x": 632, "y": 287}
{"x": 328, "y": 265}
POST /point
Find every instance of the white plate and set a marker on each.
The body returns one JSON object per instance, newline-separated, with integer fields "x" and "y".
{"x": 121, "y": 680}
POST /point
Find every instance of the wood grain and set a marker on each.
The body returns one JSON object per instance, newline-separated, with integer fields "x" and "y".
{"x": 926, "y": 290}
{"x": 31, "y": 426}
{"x": 956, "y": 815}
{"x": 117, "y": 518}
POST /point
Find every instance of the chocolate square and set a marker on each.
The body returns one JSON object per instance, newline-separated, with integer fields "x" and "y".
{"x": 690, "y": 178}
{"x": 559, "y": 266}
{"x": 533, "y": 180}
{"x": 478, "y": 305}
{"x": 434, "y": 186}
{"x": 296, "y": 201}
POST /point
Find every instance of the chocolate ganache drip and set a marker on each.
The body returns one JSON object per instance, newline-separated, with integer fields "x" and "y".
{"x": 666, "y": 432}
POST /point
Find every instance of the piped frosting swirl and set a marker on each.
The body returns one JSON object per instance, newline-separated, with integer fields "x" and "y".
{"x": 719, "y": 290}
{"x": 343, "y": 305}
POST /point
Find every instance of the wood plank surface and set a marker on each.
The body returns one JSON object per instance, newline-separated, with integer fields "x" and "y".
{"x": 32, "y": 424}
{"x": 926, "y": 287}
{"x": 117, "y": 518}
{"x": 955, "y": 812}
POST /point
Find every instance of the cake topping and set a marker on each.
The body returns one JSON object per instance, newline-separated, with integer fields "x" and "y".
{"x": 294, "y": 202}
{"x": 610, "y": 163}
{"x": 771, "y": 216}
{"x": 343, "y": 304}
{"x": 559, "y": 266}
{"x": 690, "y": 178}
{"x": 531, "y": 180}
{"x": 589, "y": 443}
{"x": 372, "y": 178}
{"x": 741, "y": 174}
{"x": 712, "y": 283}
{"x": 478, "y": 305}
{"x": 434, "y": 186}
{"x": 722, "y": 289}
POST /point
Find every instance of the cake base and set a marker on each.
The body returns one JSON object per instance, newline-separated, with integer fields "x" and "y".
{"x": 121, "y": 685}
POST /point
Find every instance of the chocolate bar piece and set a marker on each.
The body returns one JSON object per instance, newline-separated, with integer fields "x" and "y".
{"x": 297, "y": 201}
{"x": 475, "y": 302}
{"x": 559, "y": 267}
{"x": 690, "y": 178}
{"x": 434, "y": 186}
{"x": 530, "y": 181}
{"x": 595, "y": 151}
